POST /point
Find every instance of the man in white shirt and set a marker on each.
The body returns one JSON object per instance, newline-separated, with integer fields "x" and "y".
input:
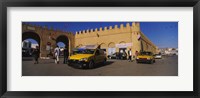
{"x": 129, "y": 55}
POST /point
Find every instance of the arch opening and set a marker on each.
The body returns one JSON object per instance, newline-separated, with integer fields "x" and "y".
{"x": 30, "y": 40}
{"x": 111, "y": 48}
{"x": 62, "y": 42}
{"x": 122, "y": 47}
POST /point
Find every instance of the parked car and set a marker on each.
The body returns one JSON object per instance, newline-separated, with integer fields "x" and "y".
{"x": 26, "y": 52}
{"x": 114, "y": 55}
{"x": 87, "y": 58}
{"x": 158, "y": 56}
{"x": 118, "y": 55}
{"x": 145, "y": 57}
{"x": 122, "y": 56}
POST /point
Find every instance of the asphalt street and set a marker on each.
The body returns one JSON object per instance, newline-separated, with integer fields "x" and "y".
{"x": 167, "y": 66}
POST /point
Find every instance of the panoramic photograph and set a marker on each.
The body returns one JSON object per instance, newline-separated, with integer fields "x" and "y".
{"x": 99, "y": 48}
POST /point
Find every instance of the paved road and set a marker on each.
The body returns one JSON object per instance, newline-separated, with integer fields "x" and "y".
{"x": 167, "y": 66}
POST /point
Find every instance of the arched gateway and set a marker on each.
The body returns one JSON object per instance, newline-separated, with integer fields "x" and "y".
{"x": 47, "y": 38}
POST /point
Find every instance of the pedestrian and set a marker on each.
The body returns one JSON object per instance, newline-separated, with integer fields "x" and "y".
{"x": 136, "y": 54}
{"x": 129, "y": 55}
{"x": 121, "y": 54}
{"x": 56, "y": 54}
{"x": 125, "y": 54}
{"x": 66, "y": 54}
{"x": 117, "y": 55}
{"x": 36, "y": 54}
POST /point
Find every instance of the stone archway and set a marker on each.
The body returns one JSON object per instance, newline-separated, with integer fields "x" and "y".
{"x": 122, "y": 46}
{"x": 122, "y": 42}
{"x": 64, "y": 39}
{"x": 47, "y": 38}
{"x": 111, "y": 45}
{"x": 103, "y": 46}
{"x": 111, "y": 48}
{"x": 34, "y": 36}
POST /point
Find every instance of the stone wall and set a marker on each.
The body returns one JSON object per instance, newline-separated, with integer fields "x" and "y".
{"x": 48, "y": 36}
{"x": 111, "y": 37}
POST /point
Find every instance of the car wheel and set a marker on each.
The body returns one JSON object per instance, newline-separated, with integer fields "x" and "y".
{"x": 91, "y": 64}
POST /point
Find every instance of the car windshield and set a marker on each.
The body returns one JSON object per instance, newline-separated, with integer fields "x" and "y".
{"x": 145, "y": 53}
{"x": 85, "y": 51}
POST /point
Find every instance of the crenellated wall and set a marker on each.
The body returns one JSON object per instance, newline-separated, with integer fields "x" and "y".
{"x": 118, "y": 34}
{"x": 108, "y": 30}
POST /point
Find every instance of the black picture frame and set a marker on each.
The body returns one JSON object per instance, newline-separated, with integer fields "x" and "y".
{"x": 98, "y": 3}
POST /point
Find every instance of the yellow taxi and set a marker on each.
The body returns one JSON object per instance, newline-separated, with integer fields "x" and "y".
{"x": 145, "y": 57}
{"x": 87, "y": 57}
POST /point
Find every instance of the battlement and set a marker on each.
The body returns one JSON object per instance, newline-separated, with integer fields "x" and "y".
{"x": 45, "y": 28}
{"x": 135, "y": 26}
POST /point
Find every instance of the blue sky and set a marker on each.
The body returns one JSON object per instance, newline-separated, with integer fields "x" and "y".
{"x": 162, "y": 34}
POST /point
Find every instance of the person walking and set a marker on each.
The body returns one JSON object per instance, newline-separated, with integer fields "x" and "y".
{"x": 129, "y": 55}
{"x": 36, "y": 54}
{"x": 117, "y": 55}
{"x": 121, "y": 54}
{"x": 136, "y": 54}
{"x": 66, "y": 54}
{"x": 56, "y": 54}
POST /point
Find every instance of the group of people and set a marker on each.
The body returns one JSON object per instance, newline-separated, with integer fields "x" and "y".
{"x": 56, "y": 54}
{"x": 130, "y": 55}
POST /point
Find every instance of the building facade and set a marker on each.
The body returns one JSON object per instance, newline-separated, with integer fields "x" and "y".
{"x": 111, "y": 39}
{"x": 117, "y": 38}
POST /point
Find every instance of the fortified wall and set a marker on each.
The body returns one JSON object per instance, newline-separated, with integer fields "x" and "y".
{"x": 47, "y": 38}
{"x": 148, "y": 45}
{"x": 112, "y": 39}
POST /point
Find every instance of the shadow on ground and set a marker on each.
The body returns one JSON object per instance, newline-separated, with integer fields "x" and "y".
{"x": 102, "y": 65}
{"x": 99, "y": 65}
{"x": 27, "y": 59}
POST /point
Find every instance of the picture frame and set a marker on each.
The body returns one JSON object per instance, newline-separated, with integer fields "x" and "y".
{"x": 103, "y": 3}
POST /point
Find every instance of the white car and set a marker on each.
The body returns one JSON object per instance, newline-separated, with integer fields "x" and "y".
{"x": 158, "y": 56}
